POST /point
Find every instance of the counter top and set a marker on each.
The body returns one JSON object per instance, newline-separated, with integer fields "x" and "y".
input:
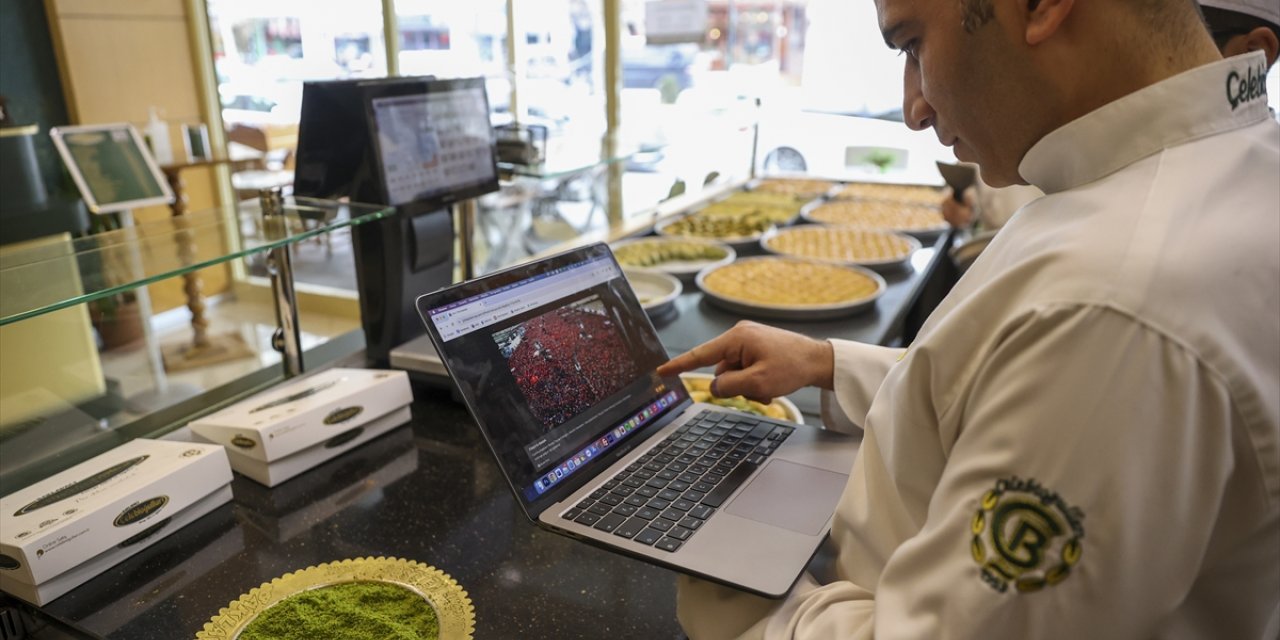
{"x": 429, "y": 492}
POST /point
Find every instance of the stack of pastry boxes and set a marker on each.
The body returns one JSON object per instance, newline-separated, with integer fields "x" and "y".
{"x": 280, "y": 433}
{"x": 74, "y": 525}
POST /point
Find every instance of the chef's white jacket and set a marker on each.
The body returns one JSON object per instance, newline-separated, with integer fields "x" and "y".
{"x": 996, "y": 206}
{"x": 1084, "y": 439}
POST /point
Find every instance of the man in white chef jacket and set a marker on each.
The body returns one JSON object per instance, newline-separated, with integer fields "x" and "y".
{"x": 1084, "y": 439}
{"x": 1236, "y": 26}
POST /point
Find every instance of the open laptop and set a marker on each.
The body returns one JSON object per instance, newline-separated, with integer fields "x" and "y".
{"x": 556, "y": 360}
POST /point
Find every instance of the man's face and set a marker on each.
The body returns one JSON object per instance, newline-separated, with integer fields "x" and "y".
{"x": 962, "y": 82}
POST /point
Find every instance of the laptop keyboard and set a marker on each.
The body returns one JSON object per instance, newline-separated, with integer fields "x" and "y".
{"x": 665, "y": 496}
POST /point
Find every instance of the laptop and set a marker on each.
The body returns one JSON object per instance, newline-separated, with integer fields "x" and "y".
{"x": 556, "y": 360}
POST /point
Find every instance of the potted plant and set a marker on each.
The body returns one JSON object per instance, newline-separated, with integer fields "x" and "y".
{"x": 117, "y": 317}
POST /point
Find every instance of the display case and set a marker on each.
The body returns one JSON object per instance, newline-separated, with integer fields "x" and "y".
{"x": 85, "y": 365}
{"x": 542, "y": 209}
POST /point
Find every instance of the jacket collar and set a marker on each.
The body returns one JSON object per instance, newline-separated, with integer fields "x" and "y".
{"x": 1210, "y": 99}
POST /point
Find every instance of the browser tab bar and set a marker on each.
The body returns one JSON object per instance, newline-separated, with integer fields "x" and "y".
{"x": 477, "y": 312}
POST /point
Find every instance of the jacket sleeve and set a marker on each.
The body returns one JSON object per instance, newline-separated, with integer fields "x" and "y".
{"x": 860, "y": 369}
{"x": 1087, "y": 459}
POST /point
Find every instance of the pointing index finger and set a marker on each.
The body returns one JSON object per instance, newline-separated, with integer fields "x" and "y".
{"x": 702, "y": 355}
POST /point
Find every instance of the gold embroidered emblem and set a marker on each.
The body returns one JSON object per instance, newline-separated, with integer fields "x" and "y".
{"x": 1025, "y": 535}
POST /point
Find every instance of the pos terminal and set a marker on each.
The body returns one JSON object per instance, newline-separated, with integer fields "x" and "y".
{"x": 420, "y": 144}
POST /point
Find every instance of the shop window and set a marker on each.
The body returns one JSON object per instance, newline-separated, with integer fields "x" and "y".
{"x": 265, "y": 49}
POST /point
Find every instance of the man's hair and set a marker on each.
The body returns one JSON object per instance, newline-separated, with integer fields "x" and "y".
{"x": 1175, "y": 20}
{"x": 975, "y": 13}
{"x": 1224, "y": 24}
{"x": 1163, "y": 16}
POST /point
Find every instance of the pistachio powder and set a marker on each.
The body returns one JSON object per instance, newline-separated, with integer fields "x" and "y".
{"x": 349, "y": 611}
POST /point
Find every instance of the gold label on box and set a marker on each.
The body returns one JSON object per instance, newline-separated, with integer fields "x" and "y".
{"x": 144, "y": 534}
{"x": 342, "y": 415}
{"x": 140, "y": 510}
{"x": 9, "y": 562}
{"x": 244, "y": 442}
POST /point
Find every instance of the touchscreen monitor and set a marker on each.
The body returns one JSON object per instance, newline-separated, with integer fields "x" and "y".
{"x": 111, "y": 167}
{"x": 334, "y": 154}
{"x": 434, "y": 142}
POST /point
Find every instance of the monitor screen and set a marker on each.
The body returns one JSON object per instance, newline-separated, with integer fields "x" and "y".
{"x": 436, "y": 145}
{"x": 110, "y": 167}
{"x": 335, "y": 155}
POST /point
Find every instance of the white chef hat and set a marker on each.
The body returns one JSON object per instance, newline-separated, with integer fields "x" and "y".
{"x": 1268, "y": 10}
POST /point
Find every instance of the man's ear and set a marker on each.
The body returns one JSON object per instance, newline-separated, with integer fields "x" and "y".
{"x": 1044, "y": 17}
{"x": 1264, "y": 40}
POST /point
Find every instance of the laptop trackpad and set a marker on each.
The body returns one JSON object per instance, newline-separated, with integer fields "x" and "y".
{"x": 791, "y": 496}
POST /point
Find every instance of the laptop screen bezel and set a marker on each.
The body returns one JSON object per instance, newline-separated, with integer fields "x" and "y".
{"x": 593, "y": 467}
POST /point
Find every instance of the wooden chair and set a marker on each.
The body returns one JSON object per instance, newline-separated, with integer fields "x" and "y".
{"x": 271, "y": 171}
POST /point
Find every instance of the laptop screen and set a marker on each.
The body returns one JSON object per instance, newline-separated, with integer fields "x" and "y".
{"x": 557, "y": 361}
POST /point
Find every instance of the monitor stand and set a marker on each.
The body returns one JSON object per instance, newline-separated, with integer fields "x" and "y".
{"x": 398, "y": 259}
{"x": 419, "y": 355}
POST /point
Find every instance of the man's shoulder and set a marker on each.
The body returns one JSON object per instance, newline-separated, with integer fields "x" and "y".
{"x": 1186, "y": 236}
{"x": 1211, "y": 203}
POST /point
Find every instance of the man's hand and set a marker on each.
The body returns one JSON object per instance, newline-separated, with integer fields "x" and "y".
{"x": 959, "y": 214}
{"x": 759, "y": 362}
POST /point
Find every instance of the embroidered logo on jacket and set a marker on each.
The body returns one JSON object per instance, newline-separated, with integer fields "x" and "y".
{"x": 1025, "y": 535}
{"x": 1251, "y": 86}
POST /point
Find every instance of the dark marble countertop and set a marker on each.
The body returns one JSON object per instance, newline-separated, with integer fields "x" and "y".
{"x": 429, "y": 492}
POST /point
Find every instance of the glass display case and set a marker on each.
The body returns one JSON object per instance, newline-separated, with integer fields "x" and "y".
{"x": 580, "y": 192}
{"x": 86, "y": 366}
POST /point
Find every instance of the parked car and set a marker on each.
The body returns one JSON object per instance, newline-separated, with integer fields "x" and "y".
{"x": 662, "y": 67}
{"x": 845, "y": 146}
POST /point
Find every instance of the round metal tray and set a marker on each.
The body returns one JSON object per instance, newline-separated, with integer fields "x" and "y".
{"x": 793, "y": 312}
{"x": 878, "y": 265}
{"x": 685, "y": 270}
{"x": 738, "y": 243}
{"x": 456, "y": 614}
{"x": 923, "y": 233}
{"x": 656, "y": 290}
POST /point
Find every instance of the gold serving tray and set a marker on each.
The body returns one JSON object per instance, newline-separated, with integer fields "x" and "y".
{"x": 453, "y": 607}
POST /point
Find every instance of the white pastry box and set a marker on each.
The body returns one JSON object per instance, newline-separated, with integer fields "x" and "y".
{"x": 277, "y": 471}
{"x": 63, "y": 530}
{"x": 277, "y": 434}
{"x": 51, "y": 589}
